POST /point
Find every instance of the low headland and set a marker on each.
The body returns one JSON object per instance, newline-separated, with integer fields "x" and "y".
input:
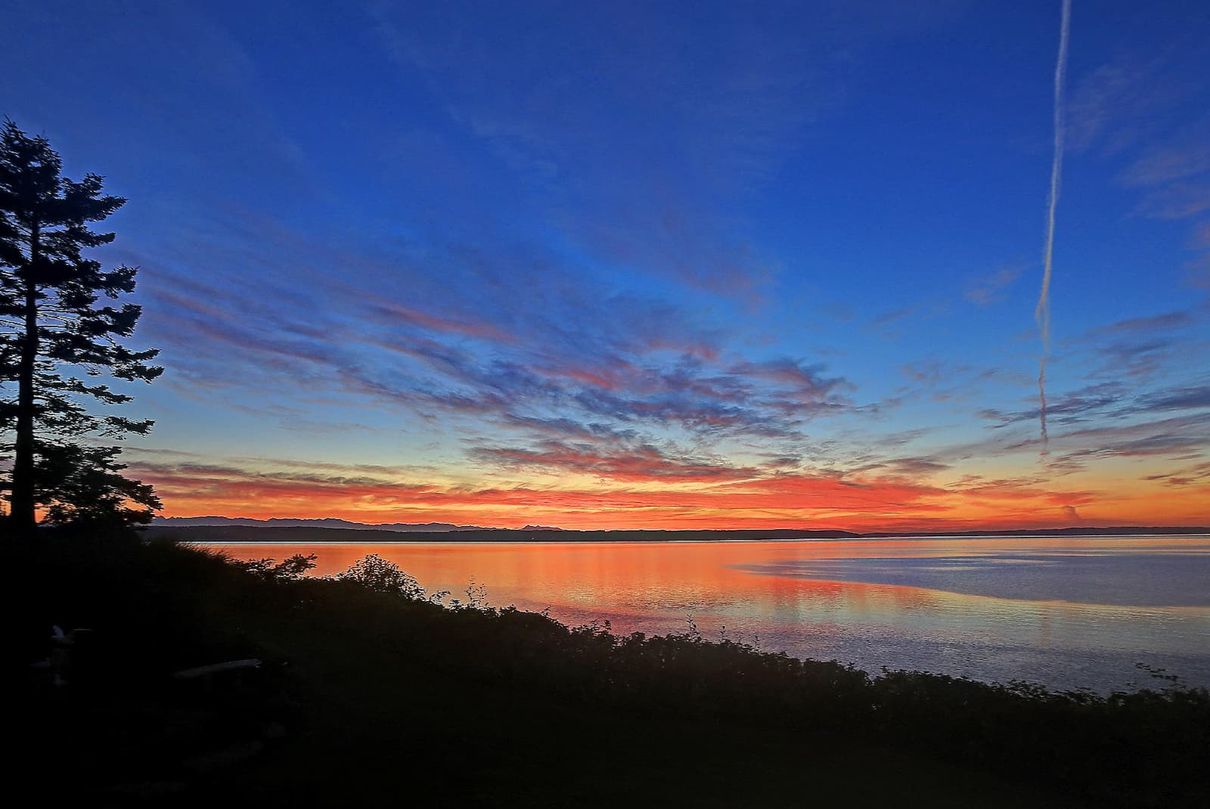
{"x": 176, "y": 676}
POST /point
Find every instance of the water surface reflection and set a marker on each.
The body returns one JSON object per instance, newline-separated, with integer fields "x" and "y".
{"x": 1069, "y": 612}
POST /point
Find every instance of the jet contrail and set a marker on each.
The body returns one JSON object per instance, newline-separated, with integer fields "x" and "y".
{"x": 1042, "y": 311}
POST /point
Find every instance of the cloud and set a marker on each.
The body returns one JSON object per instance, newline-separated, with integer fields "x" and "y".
{"x": 1189, "y": 398}
{"x": 1128, "y": 101}
{"x": 1199, "y": 271}
{"x": 635, "y": 462}
{"x": 1139, "y": 357}
{"x": 566, "y": 358}
{"x": 1178, "y": 200}
{"x": 637, "y": 485}
{"x": 893, "y": 316}
{"x": 1110, "y": 104}
{"x": 993, "y": 287}
{"x": 1180, "y": 156}
{"x": 1161, "y": 322}
{"x": 1109, "y": 401}
{"x": 1168, "y": 437}
{"x": 924, "y": 372}
{"x": 1136, "y": 109}
{"x": 351, "y": 493}
{"x": 1069, "y": 408}
{"x": 1196, "y": 475}
{"x": 646, "y": 168}
{"x": 391, "y": 314}
{"x": 805, "y": 381}
{"x": 630, "y": 200}
{"x": 918, "y": 466}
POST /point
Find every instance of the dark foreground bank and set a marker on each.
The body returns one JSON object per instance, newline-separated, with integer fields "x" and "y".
{"x": 362, "y": 691}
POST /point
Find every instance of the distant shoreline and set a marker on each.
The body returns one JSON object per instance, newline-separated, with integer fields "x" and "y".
{"x": 254, "y": 533}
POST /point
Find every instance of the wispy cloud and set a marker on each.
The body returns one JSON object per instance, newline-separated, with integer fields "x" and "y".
{"x": 1149, "y": 323}
{"x": 561, "y": 363}
{"x": 993, "y": 287}
{"x": 620, "y": 462}
{"x": 730, "y": 109}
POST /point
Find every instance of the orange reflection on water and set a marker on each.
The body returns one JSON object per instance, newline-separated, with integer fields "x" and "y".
{"x": 760, "y": 590}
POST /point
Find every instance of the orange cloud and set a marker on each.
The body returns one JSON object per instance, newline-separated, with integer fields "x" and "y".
{"x": 393, "y": 312}
{"x": 645, "y": 497}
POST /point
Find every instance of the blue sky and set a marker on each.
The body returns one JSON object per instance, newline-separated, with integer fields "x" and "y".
{"x": 482, "y": 261}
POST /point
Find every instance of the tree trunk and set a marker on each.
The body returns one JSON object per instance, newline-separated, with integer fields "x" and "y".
{"x": 23, "y": 517}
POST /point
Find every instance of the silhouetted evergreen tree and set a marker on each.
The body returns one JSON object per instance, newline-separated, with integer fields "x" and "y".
{"x": 83, "y": 486}
{"x": 56, "y": 333}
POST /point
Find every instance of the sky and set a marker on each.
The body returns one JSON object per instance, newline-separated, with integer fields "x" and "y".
{"x": 649, "y": 265}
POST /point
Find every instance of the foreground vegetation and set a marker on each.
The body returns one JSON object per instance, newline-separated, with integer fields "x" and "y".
{"x": 372, "y": 692}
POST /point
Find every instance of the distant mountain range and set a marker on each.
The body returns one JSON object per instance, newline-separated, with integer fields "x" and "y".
{"x": 329, "y": 522}
{"x": 237, "y": 529}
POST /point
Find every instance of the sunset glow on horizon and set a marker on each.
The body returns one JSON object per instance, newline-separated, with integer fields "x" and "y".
{"x": 780, "y": 500}
{"x": 600, "y": 267}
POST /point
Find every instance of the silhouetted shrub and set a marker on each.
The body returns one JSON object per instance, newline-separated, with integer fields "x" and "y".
{"x": 289, "y": 569}
{"x": 381, "y": 576}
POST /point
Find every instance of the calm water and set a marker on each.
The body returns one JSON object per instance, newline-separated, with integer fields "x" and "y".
{"x": 1071, "y": 612}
